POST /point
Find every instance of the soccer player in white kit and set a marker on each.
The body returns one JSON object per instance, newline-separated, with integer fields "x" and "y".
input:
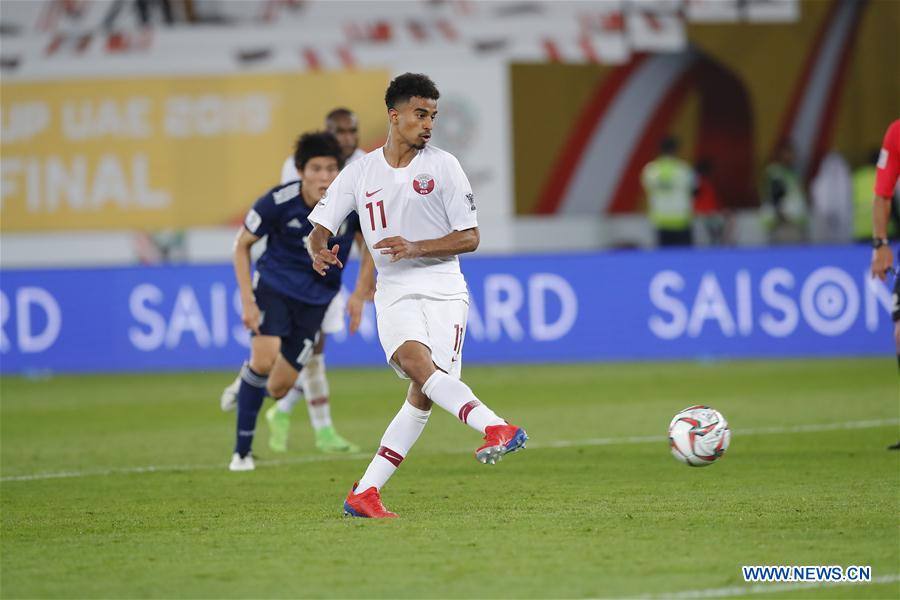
{"x": 417, "y": 212}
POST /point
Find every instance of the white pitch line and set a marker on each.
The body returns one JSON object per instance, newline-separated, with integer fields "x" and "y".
{"x": 609, "y": 441}
{"x": 761, "y": 588}
{"x": 179, "y": 468}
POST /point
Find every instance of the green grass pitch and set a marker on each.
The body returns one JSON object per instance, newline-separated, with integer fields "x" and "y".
{"x": 147, "y": 507}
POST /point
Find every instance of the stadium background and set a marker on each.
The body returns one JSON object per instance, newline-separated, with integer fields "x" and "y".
{"x": 125, "y": 145}
{"x": 129, "y": 152}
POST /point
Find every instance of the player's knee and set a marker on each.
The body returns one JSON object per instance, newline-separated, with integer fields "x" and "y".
{"x": 417, "y": 397}
{"x": 418, "y": 369}
{"x": 261, "y": 365}
{"x": 415, "y": 360}
{"x": 278, "y": 389}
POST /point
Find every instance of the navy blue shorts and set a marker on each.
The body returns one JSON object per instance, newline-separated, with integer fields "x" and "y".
{"x": 295, "y": 322}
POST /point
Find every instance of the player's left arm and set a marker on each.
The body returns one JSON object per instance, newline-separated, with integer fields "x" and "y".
{"x": 883, "y": 256}
{"x": 455, "y": 242}
{"x": 459, "y": 206}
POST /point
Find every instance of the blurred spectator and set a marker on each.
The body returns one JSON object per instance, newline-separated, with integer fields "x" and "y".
{"x": 145, "y": 6}
{"x": 784, "y": 213}
{"x": 669, "y": 184}
{"x": 863, "y": 184}
{"x": 151, "y": 12}
{"x": 832, "y": 202}
{"x": 707, "y": 208}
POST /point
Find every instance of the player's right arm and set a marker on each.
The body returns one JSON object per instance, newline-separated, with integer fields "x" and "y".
{"x": 257, "y": 223}
{"x": 322, "y": 257}
{"x": 241, "y": 260}
{"x": 329, "y": 213}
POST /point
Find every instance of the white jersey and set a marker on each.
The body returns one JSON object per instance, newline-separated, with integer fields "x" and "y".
{"x": 427, "y": 199}
{"x": 289, "y": 170}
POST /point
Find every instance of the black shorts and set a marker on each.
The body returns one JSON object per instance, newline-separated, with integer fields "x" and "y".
{"x": 295, "y": 322}
{"x": 895, "y": 299}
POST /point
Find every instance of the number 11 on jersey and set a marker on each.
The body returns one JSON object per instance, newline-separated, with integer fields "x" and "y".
{"x": 371, "y": 207}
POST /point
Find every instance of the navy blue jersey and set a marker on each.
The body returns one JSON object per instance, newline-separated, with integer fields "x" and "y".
{"x": 285, "y": 266}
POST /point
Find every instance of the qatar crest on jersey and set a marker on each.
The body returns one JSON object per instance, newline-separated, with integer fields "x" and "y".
{"x": 423, "y": 184}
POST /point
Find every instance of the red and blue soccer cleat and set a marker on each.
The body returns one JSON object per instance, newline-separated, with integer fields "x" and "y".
{"x": 500, "y": 440}
{"x": 366, "y": 504}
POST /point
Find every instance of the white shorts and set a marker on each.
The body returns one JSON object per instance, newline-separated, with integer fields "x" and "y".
{"x": 333, "y": 321}
{"x": 438, "y": 324}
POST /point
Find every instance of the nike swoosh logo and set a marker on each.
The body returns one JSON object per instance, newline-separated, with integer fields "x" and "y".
{"x": 390, "y": 455}
{"x": 370, "y": 194}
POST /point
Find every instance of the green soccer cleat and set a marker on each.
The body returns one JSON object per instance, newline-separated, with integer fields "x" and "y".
{"x": 330, "y": 441}
{"x": 279, "y": 425}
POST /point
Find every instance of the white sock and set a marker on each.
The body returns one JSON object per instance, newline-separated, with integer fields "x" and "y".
{"x": 457, "y": 398}
{"x": 396, "y": 442}
{"x": 294, "y": 395}
{"x": 315, "y": 388}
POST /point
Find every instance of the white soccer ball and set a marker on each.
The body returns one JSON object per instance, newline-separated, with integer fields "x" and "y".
{"x": 699, "y": 436}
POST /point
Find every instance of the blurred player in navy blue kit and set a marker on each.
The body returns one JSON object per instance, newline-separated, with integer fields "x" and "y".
{"x": 284, "y": 303}
{"x": 311, "y": 386}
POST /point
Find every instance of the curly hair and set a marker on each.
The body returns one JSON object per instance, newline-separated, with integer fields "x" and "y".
{"x": 410, "y": 85}
{"x": 318, "y": 143}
